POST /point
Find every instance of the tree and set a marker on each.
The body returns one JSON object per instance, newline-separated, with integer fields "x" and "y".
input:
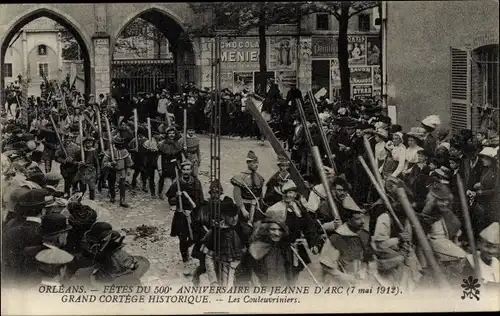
{"x": 140, "y": 28}
{"x": 71, "y": 49}
{"x": 239, "y": 18}
{"x": 343, "y": 11}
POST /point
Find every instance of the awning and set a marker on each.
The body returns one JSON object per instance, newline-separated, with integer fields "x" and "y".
{"x": 142, "y": 61}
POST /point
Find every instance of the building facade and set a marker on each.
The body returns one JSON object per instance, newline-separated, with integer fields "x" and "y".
{"x": 442, "y": 59}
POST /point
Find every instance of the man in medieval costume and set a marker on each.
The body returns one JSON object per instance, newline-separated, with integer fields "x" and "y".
{"x": 119, "y": 163}
{"x": 247, "y": 193}
{"x": 89, "y": 167}
{"x": 273, "y": 187}
{"x": 137, "y": 151}
{"x": 170, "y": 149}
{"x": 67, "y": 159}
{"x": 186, "y": 193}
{"x": 191, "y": 147}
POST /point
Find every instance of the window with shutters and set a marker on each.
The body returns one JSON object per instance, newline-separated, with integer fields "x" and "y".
{"x": 485, "y": 87}
{"x": 460, "y": 89}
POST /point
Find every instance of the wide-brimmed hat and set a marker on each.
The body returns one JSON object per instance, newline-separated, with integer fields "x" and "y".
{"x": 122, "y": 268}
{"x": 169, "y": 129}
{"x": 93, "y": 235}
{"x": 118, "y": 140}
{"x": 440, "y": 191}
{"x": 446, "y": 250}
{"x": 151, "y": 144}
{"x": 431, "y": 121}
{"x": 489, "y": 152}
{"x": 382, "y": 133}
{"x": 349, "y": 204}
{"x": 54, "y": 223}
{"x": 81, "y": 215}
{"x": 417, "y": 133}
{"x": 491, "y": 234}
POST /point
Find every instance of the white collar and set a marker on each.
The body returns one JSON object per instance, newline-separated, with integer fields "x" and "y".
{"x": 34, "y": 219}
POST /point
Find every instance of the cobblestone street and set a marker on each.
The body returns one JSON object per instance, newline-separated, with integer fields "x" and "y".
{"x": 160, "y": 248}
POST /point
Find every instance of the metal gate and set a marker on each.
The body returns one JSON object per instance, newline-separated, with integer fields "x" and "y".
{"x": 143, "y": 75}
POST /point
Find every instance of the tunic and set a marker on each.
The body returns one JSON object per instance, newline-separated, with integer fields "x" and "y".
{"x": 122, "y": 159}
{"x": 194, "y": 190}
{"x": 169, "y": 150}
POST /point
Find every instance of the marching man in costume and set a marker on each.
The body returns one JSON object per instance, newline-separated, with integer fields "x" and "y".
{"x": 276, "y": 182}
{"x": 119, "y": 160}
{"x": 192, "y": 149}
{"x": 186, "y": 193}
{"x": 170, "y": 149}
{"x": 68, "y": 163}
{"x": 247, "y": 193}
{"x": 88, "y": 167}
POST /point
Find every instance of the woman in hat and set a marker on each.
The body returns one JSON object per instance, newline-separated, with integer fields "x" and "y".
{"x": 415, "y": 139}
{"x": 115, "y": 265}
{"x": 293, "y": 213}
{"x": 81, "y": 218}
{"x": 381, "y": 136}
{"x": 485, "y": 192}
{"x": 276, "y": 182}
{"x": 88, "y": 167}
{"x": 430, "y": 124}
{"x": 170, "y": 149}
{"x": 267, "y": 257}
{"x": 223, "y": 245}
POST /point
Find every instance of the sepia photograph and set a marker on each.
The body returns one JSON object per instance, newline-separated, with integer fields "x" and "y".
{"x": 249, "y": 157}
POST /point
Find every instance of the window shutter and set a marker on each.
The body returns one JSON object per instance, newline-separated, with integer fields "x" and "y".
{"x": 460, "y": 89}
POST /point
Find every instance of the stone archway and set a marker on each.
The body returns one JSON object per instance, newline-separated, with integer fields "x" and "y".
{"x": 59, "y": 17}
{"x": 170, "y": 25}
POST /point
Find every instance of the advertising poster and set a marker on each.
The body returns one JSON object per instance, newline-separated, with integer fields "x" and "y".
{"x": 241, "y": 81}
{"x": 373, "y": 50}
{"x": 285, "y": 81}
{"x": 226, "y": 80}
{"x": 324, "y": 47}
{"x": 240, "y": 54}
{"x": 357, "y": 50}
{"x": 320, "y": 76}
{"x": 258, "y": 77}
{"x": 282, "y": 53}
{"x": 334, "y": 69}
{"x": 361, "y": 91}
{"x": 361, "y": 74}
{"x": 377, "y": 77}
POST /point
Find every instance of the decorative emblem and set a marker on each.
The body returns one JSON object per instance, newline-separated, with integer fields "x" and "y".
{"x": 471, "y": 288}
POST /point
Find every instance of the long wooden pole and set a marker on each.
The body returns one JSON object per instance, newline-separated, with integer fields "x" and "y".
{"x": 382, "y": 194}
{"x": 58, "y": 136}
{"x": 373, "y": 162}
{"x": 275, "y": 143}
{"x": 136, "y": 126}
{"x": 324, "y": 180}
{"x": 149, "y": 129}
{"x": 99, "y": 126}
{"x": 80, "y": 127}
{"x": 424, "y": 243}
{"x": 468, "y": 225}
{"x": 322, "y": 132}
{"x": 110, "y": 136}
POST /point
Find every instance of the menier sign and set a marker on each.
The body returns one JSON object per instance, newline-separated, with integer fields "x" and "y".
{"x": 241, "y": 53}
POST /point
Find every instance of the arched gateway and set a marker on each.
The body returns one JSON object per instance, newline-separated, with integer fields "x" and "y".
{"x": 96, "y": 28}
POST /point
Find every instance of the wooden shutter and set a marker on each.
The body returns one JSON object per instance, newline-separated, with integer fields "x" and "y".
{"x": 460, "y": 89}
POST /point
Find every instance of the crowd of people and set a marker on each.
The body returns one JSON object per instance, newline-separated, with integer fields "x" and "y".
{"x": 268, "y": 230}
